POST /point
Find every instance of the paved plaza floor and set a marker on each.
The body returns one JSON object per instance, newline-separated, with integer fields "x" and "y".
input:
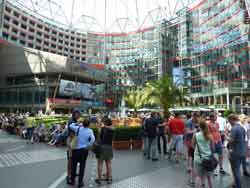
{"x": 40, "y": 166}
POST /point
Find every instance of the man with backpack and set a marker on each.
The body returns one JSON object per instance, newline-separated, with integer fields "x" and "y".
{"x": 76, "y": 113}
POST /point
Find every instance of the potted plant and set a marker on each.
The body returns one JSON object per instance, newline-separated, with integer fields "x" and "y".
{"x": 136, "y": 139}
{"x": 121, "y": 138}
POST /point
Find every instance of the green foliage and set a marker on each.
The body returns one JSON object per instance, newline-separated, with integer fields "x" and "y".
{"x": 127, "y": 133}
{"x": 135, "y": 99}
{"x": 227, "y": 113}
{"x": 162, "y": 93}
{"x": 48, "y": 121}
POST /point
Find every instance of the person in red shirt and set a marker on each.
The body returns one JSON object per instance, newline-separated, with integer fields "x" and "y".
{"x": 213, "y": 128}
{"x": 176, "y": 129}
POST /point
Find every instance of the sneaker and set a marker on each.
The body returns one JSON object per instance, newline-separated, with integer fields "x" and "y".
{"x": 246, "y": 174}
{"x": 155, "y": 160}
{"x": 98, "y": 181}
{"x": 215, "y": 173}
{"x": 81, "y": 185}
{"x": 109, "y": 181}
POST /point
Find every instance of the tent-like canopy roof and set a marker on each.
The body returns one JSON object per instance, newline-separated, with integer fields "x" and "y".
{"x": 105, "y": 15}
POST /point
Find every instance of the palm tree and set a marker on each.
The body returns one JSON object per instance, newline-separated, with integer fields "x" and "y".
{"x": 135, "y": 99}
{"x": 162, "y": 93}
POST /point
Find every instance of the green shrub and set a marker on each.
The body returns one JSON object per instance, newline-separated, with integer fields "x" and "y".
{"x": 127, "y": 133}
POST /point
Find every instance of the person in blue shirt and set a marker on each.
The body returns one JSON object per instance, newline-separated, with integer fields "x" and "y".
{"x": 85, "y": 139}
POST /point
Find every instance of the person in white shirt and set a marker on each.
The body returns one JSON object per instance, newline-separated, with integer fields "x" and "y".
{"x": 222, "y": 127}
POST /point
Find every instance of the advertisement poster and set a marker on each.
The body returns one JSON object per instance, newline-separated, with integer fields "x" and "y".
{"x": 87, "y": 91}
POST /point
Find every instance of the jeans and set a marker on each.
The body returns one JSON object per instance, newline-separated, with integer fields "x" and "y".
{"x": 78, "y": 156}
{"x": 145, "y": 145}
{"x": 163, "y": 137}
{"x": 235, "y": 162}
{"x": 152, "y": 147}
{"x": 29, "y": 133}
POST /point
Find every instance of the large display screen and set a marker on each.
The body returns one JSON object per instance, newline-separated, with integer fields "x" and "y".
{"x": 77, "y": 89}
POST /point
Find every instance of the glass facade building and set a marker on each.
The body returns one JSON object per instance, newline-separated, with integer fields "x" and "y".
{"x": 216, "y": 45}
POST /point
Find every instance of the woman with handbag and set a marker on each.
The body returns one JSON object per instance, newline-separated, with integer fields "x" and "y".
{"x": 105, "y": 151}
{"x": 202, "y": 144}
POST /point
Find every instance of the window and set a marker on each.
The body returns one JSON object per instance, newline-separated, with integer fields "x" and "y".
{"x": 38, "y": 47}
{"x": 31, "y": 30}
{"x": 22, "y": 42}
{"x": 23, "y": 26}
{"x": 53, "y": 38}
{"x": 54, "y": 32}
{"x": 13, "y": 38}
{"x": 24, "y": 19}
{"x": 38, "y": 40}
{"x": 7, "y": 18}
{"x": 39, "y": 33}
{"x": 6, "y": 26}
{"x": 39, "y": 26}
{"x": 15, "y": 22}
{"x": 23, "y": 34}
{"x": 84, "y": 40}
{"x": 14, "y": 30}
{"x": 31, "y": 37}
{"x": 47, "y": 29}
{"x": 32, "y": 22}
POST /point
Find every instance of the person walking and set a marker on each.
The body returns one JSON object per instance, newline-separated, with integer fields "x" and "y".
{"x": 106, "y": 151}
{"x": 85, "y": 138}
{"x": 237, "y": 148}
{"x": 151, "y": 126}
{"x": 244, "y": 123}
{"x": 176, "y": 129}
{"x": 202, "y": 143}
{"x": 222, "y": 127}
{"x": 213, "y": 128}
{"x": 161, "y": 134}
{"x": 190, "y": 130}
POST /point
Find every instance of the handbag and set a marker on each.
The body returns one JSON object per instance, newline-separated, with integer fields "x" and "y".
{"x": 207, "y": 164}
{"x": 74, "y": 141}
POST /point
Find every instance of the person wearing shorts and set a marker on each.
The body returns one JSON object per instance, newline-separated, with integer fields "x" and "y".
{"x": 176, "y": 128}
{"x": 213, "y": 128}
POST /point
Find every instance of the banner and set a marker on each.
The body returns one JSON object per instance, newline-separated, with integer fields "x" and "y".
{"x": 77, "y": 89}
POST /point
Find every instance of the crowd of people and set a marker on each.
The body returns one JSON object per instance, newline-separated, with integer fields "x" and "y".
{"x": 204, "y": 141}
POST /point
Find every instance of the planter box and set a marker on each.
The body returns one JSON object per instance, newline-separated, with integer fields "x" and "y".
{"x": 121, "y": 145}
{"x": 136, "y": 144}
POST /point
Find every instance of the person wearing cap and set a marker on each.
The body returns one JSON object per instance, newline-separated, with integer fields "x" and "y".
{"x": 76, "y": 113}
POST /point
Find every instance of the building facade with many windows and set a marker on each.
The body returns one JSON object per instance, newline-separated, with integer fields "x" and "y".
{"x": 217, "y": 52}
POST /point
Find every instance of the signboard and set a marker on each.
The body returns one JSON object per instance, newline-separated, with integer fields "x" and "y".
{"x": 178, "y": 76}
{"x": 77, "y": 89}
